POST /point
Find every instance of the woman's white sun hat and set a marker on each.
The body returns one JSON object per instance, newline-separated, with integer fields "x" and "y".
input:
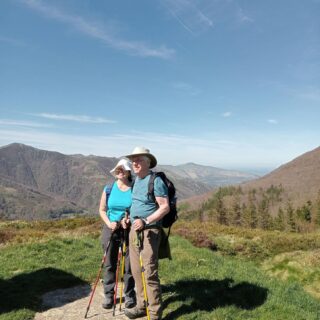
{"x": 142, "y": 151}
{"x": 123, "y": 163}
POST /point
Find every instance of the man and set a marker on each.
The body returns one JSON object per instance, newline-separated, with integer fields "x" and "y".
{"x": 146, "y": 215}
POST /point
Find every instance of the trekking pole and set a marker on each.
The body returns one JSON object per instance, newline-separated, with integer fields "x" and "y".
{"x": 142, "y": 274}
{"x": 117, "y": 279}
{"x": 122, "y": 272}
{"x": 124, "y": 250}
{"x": 98, "y": 276}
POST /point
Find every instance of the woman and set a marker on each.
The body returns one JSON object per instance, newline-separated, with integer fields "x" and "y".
{"x": 115, "y": 200}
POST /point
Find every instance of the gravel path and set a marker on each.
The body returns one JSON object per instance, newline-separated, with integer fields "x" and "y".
{"x": 71, "y": 304}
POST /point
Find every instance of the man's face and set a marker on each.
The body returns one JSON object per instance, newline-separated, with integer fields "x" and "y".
{"x": 139, "y": 165}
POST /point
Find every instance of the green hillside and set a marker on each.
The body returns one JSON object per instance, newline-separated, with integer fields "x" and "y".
{"x": 197, "y": 284}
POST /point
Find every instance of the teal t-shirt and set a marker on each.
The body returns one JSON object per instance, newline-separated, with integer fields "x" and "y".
{"x": 142, "y": 206}
{"x": 118, "y": 202}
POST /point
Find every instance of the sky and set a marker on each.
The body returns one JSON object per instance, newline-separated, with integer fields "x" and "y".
{"x": 226, "y": 83}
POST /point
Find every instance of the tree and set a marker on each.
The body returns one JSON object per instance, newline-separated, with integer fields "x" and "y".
{"x": 253, "y": 217}
{"x": 263, "y": 212}
{"x": 236, "y": 211}
{"x": 274, "y": 193}
{"x": 290, "y": 218}
{"x": 317, "y": 207}
{"x": 279, "y": 222}
{"x": 304, "y": 213}
{"x": 221, "y": 209}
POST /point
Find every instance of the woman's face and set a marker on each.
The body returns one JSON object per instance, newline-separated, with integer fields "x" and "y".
{"x": 121, "y": 173}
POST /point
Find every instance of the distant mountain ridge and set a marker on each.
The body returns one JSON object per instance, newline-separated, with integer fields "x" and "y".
{"x": 208, "y": 175}
{"x": 38, "y": 184}
{"x": 300, "y": 178}
{"x": 296, "y": 182}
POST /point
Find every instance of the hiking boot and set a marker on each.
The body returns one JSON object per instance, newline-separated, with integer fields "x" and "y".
{"x": 108, "y": 303}
{"x": 130, "y": 303}
{"x": 135, "y": 313}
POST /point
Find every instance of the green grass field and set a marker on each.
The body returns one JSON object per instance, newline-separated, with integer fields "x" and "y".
{"x": 197, "y": 284}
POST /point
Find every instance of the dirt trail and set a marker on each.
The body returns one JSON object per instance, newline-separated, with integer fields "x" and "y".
{"x": 71, "y": 304}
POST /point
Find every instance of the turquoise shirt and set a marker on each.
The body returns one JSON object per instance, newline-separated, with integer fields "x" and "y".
{"x": 118, "y": 202}
{"x": 142, "y": 206}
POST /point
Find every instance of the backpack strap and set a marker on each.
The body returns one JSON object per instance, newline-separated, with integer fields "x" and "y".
{"x": 108, "y": 190}
{"x": 151, "y": 191}
{"x": 151, "y": 187}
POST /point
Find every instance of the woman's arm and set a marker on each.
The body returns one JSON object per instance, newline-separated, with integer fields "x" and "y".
{"x": 103, "y": 212}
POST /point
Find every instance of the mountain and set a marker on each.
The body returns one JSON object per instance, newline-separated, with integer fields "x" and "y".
{"x": 296, "y": 182}
{"x": 210, "y": 176}
{"x": 38, "y": 184}
{"x": 300, "y": 178}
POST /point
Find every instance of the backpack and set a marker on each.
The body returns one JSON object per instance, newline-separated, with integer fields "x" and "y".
{"x": 108, "y": 189}
{"x": 172, "y": 215}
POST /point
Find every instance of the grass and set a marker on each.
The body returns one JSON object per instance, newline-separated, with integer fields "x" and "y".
{"x": 299, "y": 266}
{"x": 30, "y": 270}
{"x": 254, "y": 244}
{"x": 22, "y": 231}
{"x": 201, "y": 284}
{"x": 197, "y": 284}
{"x": 284, "y": 255}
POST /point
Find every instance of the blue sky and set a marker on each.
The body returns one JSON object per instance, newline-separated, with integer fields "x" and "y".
{"x": 232, "y": 84}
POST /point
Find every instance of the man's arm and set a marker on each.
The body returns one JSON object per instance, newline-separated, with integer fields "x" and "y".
{"x": 163, "y": 203}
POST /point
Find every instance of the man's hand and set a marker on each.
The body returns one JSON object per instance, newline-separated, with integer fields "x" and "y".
{"x": 138, "y": 224}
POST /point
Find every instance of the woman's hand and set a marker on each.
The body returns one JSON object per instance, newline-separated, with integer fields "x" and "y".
{"x": 113, "y": 226}
{"x": 125, "y": 223}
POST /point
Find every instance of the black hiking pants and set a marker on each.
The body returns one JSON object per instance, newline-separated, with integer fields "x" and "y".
{"x": 110, "y": 266}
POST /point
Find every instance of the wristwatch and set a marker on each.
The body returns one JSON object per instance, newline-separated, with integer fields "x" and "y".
{"x": 145, "y": 221}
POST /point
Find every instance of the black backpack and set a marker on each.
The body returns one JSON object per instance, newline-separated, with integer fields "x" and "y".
{"x": 172, "y": 215}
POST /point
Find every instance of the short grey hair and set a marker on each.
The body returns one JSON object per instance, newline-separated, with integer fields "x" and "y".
{"x": 146, "y": 159}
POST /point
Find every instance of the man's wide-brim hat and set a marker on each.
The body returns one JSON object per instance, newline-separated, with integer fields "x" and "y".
{"x": 124, "y": 164}
{"x": 142, "y": 151}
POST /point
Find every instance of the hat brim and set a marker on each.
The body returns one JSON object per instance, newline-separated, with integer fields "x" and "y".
{"x": 125, "y": 168}
{"x": 153, "y": 160}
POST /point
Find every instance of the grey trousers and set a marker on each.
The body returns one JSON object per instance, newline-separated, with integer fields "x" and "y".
{"x": 110, "y": 266}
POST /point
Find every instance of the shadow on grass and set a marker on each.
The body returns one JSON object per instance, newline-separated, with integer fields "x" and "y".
{"x": 207, "y": 295}
{"x": 25, "y": 290}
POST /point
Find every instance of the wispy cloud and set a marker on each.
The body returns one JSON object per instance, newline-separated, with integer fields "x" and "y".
{"x": 311, "y": 94}
{"x": 95, "y": 31}
{"x": 18, "y": 123}
{"x": 76, "y": 118}
{"x": 186, "y": 88}
{"x": 189, "y": 15}
{"x": 198, "y": 17}
{"x": 168, "y": 148}
{"x": 273, "y": 121}
{"x": 227, "y": 114}
{"x": 243, "y": 17}
{"x": 224, "y": 150}
{"x": 12, "y": 41}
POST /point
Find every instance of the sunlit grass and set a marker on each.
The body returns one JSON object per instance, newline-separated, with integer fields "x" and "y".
{"x": 22, "y": 231}
{"x": 254, "y": 244}
{"x": 197, "y": 283}
{"x": 201, "y": 284}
